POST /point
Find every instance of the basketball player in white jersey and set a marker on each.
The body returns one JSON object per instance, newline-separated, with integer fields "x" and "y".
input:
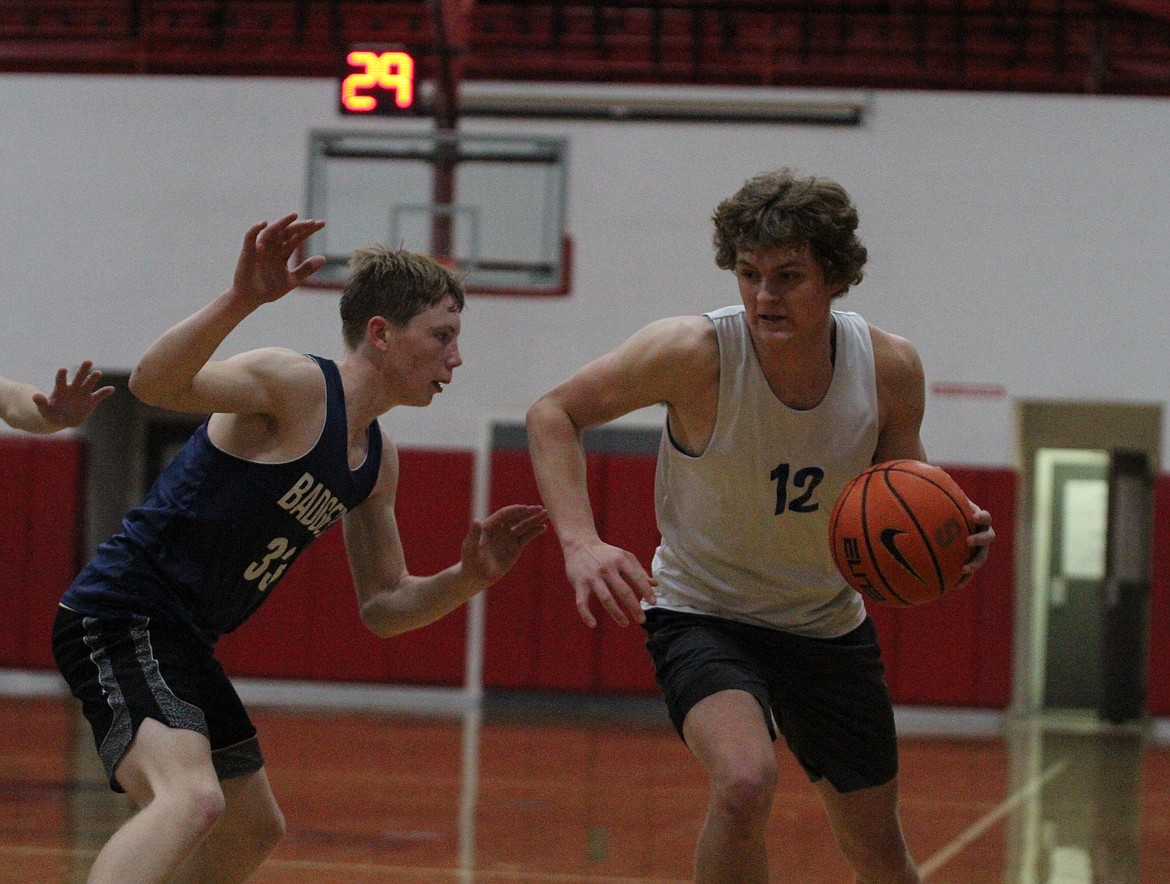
{"x": 26, "y": 407}
{"x": 772, "y": 406}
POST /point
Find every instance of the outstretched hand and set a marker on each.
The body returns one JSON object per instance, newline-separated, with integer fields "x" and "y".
{"x": 72, "y": 400}
{"x": 262, "y": 271}
{"x": 493, "y": 545}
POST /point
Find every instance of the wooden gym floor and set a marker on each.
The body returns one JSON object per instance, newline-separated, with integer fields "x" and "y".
{"x": 545, "y": 789}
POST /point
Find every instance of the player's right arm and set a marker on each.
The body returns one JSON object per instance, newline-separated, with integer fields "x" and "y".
{"x": 391, "y": 600}
{"x": 901, "y": 390}
{"x": 176, "y": 372}
{"x": 901, "y": 404}
{"x": 659, "y": 364}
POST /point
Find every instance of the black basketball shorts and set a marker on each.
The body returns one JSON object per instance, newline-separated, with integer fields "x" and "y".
{"x": 828, "y": 697}
{"x": 129, "y": 668}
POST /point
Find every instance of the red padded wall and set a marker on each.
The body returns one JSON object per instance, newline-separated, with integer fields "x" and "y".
{"x": 511, "y": 631}
{"x": 310, "y": 628}
{"x": 56, "y": 516}
{"x": 40, "y": 540}
{"x": 534, "y": 637}
{"x": 954, "y": 652}
{"x": 957, "y": 651}
{"x": 17, "y": 477}
{"x": 997, "y": 492}
{"x": 343, "y": 649}
{"x": 1158, "y": 696}
{"x": 628, "y": 521}
{"x": 433, "y": 513}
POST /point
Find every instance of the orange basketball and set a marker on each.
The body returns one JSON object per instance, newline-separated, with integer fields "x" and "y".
{"x": 899, "y": 533}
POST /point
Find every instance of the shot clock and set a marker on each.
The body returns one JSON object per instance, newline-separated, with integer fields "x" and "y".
{"x": 377, "y": 79}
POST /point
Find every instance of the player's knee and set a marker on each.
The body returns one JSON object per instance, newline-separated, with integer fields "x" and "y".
{"x": 745, "y": 791}
{"x": 200, "y": 803}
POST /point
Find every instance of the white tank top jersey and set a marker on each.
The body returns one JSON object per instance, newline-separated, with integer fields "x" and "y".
{"x": 745, "y": 524}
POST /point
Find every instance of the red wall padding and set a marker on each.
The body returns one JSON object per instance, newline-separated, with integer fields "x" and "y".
{"x": 40, "y": 540}
{"x": 957, "y": 651}
{"x": 310, "y": 628}
{"x": 434, "y": 513}
{"x": 1158, "y": 697}
{"x": 954, "y": 652}
{"x": 535, "y": 639}
{"x": 16, "y": 474}
{"x": 628, "y": 521}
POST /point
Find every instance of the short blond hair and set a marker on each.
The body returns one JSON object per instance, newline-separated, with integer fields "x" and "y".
{"x": 395, "y": 284}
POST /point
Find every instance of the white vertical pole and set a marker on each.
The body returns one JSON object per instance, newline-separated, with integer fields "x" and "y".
{"x": 473, "y": 671}
{"x": 480, "y": 503}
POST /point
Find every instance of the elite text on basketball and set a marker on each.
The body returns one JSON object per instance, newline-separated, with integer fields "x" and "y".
{"x": 853, "y": 559}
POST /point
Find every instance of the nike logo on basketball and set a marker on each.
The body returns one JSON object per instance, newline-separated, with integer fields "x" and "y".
{"x": 889, "y": 541}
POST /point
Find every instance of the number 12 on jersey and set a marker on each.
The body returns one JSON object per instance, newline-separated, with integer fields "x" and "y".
{"x": 805, "y": 480}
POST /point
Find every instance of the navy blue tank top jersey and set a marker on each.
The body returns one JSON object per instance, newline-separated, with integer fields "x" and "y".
{"x": 216, "y": 533}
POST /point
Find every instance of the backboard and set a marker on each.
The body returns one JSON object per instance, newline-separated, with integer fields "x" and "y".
{"x": 492, "y": 206}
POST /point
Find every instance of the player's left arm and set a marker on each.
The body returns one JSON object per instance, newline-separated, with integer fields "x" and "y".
{"x": 390, "y": 599}
{"x": 901, "y": 391}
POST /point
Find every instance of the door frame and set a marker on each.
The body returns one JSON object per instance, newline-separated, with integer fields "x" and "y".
{"x": 1051, "y": 423}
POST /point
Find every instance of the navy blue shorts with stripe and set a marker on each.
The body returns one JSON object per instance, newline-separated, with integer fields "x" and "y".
{"x": 129, "y": 668}
{"x": 828, "y": 697}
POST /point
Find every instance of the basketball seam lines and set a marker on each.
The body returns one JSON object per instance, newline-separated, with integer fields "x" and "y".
{"x": 938, "y": 574}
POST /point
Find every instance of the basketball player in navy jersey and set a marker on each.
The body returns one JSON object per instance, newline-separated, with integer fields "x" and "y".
{"x": 772, "y": 406}
{"x": 26, "y": 407}
{"x": 292, "y": 446}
